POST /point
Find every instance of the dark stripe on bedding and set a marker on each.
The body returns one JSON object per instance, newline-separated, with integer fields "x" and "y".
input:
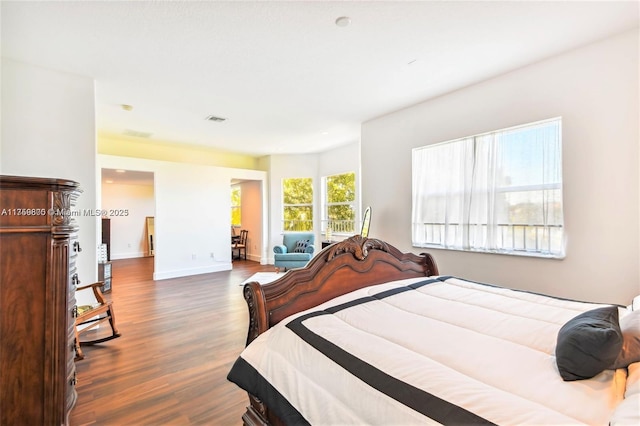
{"x": 249, "y": 379}
{"x": 417, "y": 399}
{"x": 429, "y": 281}
{"x": 381, "y": 295}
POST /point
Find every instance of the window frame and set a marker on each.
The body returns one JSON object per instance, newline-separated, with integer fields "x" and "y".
{"x": 553, "y": 233}
{"x": 285, "y": 206}
{"x": 326, "y": 205}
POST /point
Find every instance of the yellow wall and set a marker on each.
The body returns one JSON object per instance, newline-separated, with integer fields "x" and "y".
{"x": 111, "y": 144}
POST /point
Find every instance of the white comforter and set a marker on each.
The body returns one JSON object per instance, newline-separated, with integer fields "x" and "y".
{"x": 487, "y": 350}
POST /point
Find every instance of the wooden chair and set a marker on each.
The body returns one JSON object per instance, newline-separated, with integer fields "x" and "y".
{"x": 240, "y": 244}
{"x": 91, "y": 316}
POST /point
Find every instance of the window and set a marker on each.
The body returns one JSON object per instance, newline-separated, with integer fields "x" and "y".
{"x": 339, "y": 197}
{"x": 297, "y": 204}
{"x": 236, "y": 208}
{"x": 499, "y": 192}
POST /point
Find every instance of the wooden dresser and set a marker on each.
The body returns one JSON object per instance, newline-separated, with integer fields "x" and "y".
{"x": 38, "y": 278}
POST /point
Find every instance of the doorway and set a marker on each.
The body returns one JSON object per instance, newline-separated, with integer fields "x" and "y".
{"x": 128, "y": 204}
{"x": 247, "y": 213}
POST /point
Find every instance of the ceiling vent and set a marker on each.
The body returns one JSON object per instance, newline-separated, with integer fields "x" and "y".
{"x": 214, "y": 118}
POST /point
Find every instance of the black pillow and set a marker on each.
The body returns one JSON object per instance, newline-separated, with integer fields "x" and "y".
{"x": 301, "y": 246}
{"x": 588, "y": 344}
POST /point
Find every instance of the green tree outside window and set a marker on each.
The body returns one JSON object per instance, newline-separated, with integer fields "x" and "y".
{"x": 340, "y": 209}
{"x": 236, "y": 209}
{"x": 297, "y": 204}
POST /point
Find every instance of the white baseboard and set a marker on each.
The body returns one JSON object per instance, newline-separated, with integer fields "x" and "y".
{"x": 176, "y": 273}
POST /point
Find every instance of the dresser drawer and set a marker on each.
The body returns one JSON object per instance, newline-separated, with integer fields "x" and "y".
{"x": 74, "y": 246}
{"x": 74, "y": 279}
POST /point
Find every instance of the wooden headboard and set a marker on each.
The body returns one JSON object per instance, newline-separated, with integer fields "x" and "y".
{"x": 338, "y": 269}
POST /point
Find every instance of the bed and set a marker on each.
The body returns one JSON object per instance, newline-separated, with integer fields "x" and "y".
{"x": 365, "y": 334}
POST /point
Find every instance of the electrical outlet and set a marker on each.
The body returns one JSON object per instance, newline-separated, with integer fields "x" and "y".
{"x": 193, "y": 256}
{"x": 212, "y": 256}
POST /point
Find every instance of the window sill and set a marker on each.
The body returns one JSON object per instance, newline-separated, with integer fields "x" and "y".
{"x": 500, "y": 252}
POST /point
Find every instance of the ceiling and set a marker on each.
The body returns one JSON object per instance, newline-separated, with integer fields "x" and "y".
{"x": 283, "y": 74}
{"x": 126, "y": 177}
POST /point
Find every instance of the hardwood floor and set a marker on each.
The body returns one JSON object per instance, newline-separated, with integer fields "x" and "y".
{"x": 179, "y": 340}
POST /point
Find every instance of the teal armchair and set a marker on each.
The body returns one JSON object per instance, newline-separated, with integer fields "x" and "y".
{"x": 295, "y": 251}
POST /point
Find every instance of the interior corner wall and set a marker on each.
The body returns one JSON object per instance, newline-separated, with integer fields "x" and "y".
{"x": 48, "y": 130}
{"x": 595, "y": 90}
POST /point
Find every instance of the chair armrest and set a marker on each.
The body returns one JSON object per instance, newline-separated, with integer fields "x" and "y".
{"x": 310, "y": 249}
{"x": 96, "y": 291}
{"x": 280, "y": 249}
{"x": 84, "y": 287}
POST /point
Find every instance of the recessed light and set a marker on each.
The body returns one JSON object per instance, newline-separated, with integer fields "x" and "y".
{"x": 126, "y": 107}
{"x": 108, "y": 181}
{"x": 343, "y": 21}
{"x": 411, "y": 62}
{"x": 120, "y": 171}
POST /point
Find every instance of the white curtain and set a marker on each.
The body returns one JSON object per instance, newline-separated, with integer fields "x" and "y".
{"x": 496, "y": 192}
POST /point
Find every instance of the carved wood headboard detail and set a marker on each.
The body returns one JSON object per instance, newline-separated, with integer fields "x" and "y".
{"x": 357, "y": 245}
{"x": 338, "y": 269}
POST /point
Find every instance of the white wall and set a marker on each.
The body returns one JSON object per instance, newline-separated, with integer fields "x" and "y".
{"x": 128, "y": 232}
{"x": 595, "y": 90}
{"x": 342, "y": 159}
{"x": 48, "y": 130}
{"x": 192, "y": 213}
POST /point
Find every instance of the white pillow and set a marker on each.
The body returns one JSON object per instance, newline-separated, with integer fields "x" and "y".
{"x": 635, "y": 304}
{"x": 633, "y": 380}
{"x": 628, "y": 411}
